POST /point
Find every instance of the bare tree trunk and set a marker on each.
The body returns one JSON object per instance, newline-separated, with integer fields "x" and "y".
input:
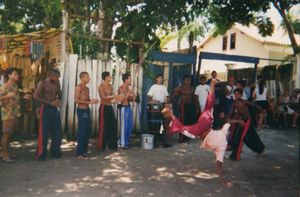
{"x": 288, "y": 27}
{"x": 191, "y": 41}
{"x": 108, "y": 34}
{"x": 104, "y": 30}
{"x": 88, "y": 14}
{"x": 64, "y": 60}
{"x": 178, "y": 43}
{"x": 101, "y": 28}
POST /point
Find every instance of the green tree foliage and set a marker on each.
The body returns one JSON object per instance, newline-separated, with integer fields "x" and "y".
{"x": 224, "y": 13}
{"x": 138, "y": 20}
{"x": 294, "y": 21}
{"x": 22, "y": 16}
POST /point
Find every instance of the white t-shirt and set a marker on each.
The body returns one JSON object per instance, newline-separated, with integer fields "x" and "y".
{"x": 231, "y": 90}
{"x": 202, "y": 92}
{"x": 158, "y": 92}
{"x": 261, "y": 97}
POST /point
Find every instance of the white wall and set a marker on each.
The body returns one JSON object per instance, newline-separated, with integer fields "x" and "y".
{"x": 245, "y": 46}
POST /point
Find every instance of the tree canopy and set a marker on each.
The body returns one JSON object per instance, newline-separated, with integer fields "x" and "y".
{"x": 22, "y": 16}
{"x": 224, "y": 13}
{"x": 135, "y": 20}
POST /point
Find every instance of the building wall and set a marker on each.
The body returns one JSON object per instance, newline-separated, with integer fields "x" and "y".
{"x": 245, "y": 46}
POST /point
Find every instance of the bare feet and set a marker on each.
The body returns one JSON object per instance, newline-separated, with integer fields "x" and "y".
{"x": 227, "y": 184}
{"x": 81, "y": 157}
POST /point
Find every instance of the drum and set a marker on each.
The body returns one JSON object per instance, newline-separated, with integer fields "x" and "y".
{"x": 167, "y": 104}
{"x": 154, "y": 116}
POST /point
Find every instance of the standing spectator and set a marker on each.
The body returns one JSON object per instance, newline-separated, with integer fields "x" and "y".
{"x": 107, "y": 135}
{"x": 241, "y": 84}
{"x": 187, "y": 104}
{"x": 213, "y": 76}
{"x": 48, "y": 93}
{"x": 201, "y": 93}
{"x": 229, "y": 94}
{"x": 82, "y": 99}
{"x": 247, "y": 91}
{"x": 157, "y": 95}
{"x": 126, "y": 116}
{"x": 10, "y": 98}
{"x": 217, "y": 95}
{"x": 260, "y": 96}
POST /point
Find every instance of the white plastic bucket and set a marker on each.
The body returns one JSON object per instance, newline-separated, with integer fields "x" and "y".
{"x": 147, "y": 141}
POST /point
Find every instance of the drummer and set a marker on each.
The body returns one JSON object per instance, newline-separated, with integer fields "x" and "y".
{"x": 157, "y": 95}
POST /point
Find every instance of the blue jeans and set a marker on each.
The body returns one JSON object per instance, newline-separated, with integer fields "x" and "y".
{"x": 84, "y": 127}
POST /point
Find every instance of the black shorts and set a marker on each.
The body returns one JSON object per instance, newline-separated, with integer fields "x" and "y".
{"x": 262, "y": 104}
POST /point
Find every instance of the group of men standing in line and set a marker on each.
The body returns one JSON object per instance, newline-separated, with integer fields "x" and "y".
{"x": 108, "y": 134}
{"x": 48, "y": 94}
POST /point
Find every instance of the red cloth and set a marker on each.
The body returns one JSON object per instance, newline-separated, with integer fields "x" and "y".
{"x": 101, "y": 126}
{"x": 204, "y": 122}
{"x": 40, "y": 135}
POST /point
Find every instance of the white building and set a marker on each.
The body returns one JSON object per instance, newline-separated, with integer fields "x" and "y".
{"x": 246, "y": 41}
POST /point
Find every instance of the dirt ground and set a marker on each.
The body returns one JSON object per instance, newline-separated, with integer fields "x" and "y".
{"x": 176, "y": 171}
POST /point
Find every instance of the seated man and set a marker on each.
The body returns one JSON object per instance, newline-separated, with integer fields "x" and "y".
{"x": 273, "y": 114}
{"x": 284, "y": 102}
{"x": 215, "y": 140}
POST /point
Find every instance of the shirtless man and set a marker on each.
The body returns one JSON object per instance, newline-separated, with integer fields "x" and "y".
{"x": 187, "y": 104}
{"x": 126, "y": 117}
{"x": 214, "y": 140}
{"x": 82, "y": 98}
{"x": 48, "y": 93}
{"x": 108, "y": 124}
{"x": 242, "y": 129}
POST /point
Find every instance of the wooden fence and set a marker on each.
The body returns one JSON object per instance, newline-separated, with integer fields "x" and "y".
{"x": 70, "y": 78}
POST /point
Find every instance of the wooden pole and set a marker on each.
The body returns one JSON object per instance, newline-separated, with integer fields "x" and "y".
{"x": 64, "y": 60}
{"x": 199, "y": 68}
{"x": 255, "y": 72}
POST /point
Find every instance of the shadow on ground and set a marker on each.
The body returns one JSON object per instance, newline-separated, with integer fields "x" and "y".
{"x": 177, "y": 171}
